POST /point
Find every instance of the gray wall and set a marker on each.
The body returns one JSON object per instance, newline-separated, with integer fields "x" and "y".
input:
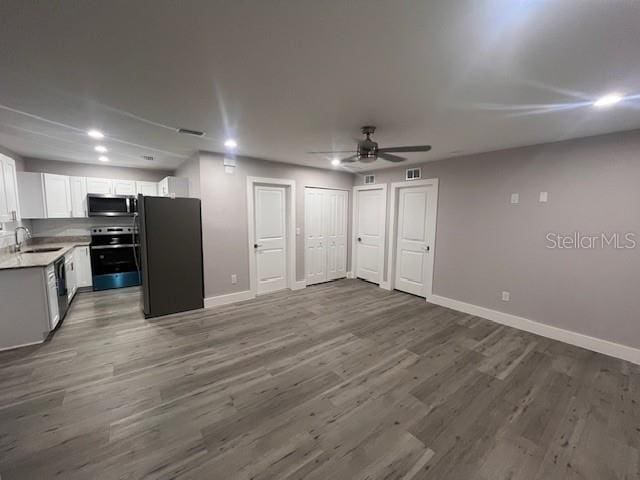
{"x": 224, "y": 212}
{"x": 190, "y": 169}
{"x": 90, "y": 170}
{"x": 484, "y": 245}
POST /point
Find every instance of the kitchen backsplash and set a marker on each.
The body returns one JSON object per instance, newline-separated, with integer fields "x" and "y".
{"x": 73, "y": 227}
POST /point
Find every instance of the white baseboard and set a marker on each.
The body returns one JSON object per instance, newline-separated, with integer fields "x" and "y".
{"x": 606, "y": 347}
{"x": 386, "y": 285}
{"x": 299, "y": 285}
{"x": 228, "y": 298}
{"x": 350, "y": 275}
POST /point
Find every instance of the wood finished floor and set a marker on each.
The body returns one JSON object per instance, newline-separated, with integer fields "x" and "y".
{"x": 338, "y": 381}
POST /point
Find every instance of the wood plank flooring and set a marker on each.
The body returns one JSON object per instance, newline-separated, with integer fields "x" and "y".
{"x": 337, "y": 381}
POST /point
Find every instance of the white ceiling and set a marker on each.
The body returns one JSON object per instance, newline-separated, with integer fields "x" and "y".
{"x": 285, "y": 77}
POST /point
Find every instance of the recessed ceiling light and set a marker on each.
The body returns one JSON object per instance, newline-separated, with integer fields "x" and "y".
{"x": 95, "y": 134}
{"x": 230, "y": 143}
{"x": 607, "y": 100}
{"x": 335, "y": 162}
{"x": 102, "y": 158}
{"x": 100, "y": 149}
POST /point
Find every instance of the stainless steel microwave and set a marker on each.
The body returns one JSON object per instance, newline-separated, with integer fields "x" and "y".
{"x": 111, "y": 205}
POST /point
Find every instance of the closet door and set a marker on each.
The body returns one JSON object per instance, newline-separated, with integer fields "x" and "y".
{"x": 325, "y": 234}
{"x": 342, "y": 207}
{"x": 315, "y": 254}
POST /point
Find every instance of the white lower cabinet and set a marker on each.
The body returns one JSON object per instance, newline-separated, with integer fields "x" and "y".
{"x": 52, "y": 297}
{"x": 70, "y": 275}
{"x": 82, "y": 267}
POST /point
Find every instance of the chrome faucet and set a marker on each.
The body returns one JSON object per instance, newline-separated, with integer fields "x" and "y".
{"x": 27, "y": 233}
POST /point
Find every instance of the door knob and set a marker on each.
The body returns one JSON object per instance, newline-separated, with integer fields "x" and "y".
{"x": 427, "y": 248}
{"x": 359, "y": 239}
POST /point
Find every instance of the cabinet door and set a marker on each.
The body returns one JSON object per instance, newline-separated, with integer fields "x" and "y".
{"x": 99, "y": 186}
{"x": 147, "y": 188}
{"x": 83, "y": 267}
{"x": 124, "y": 187}
{"x": 57, "y": 195}
{"x": 70, "y": 275}
{"x": 52, "y": 297}
{"x": 163, "y": 187}
{"x": 78, "y": 187}
{"x": 5, "y": 215}
{"x": 10, "y": 188}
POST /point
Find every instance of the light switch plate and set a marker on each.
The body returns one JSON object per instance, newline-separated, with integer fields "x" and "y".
{"x": 515, "y": 198}
{"x": 544, "y": 197}
{"x": 234, "y": 278}
{"x": 506, "y": 296}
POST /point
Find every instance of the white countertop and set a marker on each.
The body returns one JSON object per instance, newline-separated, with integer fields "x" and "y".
{"x": 31, "y": 260}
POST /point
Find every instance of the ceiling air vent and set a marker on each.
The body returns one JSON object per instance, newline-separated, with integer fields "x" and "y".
{"x": 195, "y": 133}
{"x": 148, "y": 158}
{"x": 413, "y": 173}
{"x": 369, "y": 179}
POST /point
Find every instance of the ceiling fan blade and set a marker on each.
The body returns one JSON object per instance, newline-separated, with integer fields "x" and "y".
{"x": 335, "y": 151}
{"x": 415, "y": 148}
{"x": 390, "y": 158}
{"x": 350, "y": 159}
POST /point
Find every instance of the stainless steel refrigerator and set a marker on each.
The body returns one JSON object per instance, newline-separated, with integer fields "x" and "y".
{"x": 170, "y": 254}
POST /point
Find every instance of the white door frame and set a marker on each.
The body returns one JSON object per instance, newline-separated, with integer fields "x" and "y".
{"x": 431, "y": 232}
{"x": 290, "y": 189}
{"x": 354, "y": 229}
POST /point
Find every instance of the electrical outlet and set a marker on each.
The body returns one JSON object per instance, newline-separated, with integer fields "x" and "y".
{"x": 297, "y": 230}
{"x": 234, "y": 278}
{"x": 544, "y": 197}
{"x": 506, "y": 296}
{"x": 515, "y": 198}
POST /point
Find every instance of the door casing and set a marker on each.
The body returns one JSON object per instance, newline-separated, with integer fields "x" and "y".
{"x": 290, "y": 188}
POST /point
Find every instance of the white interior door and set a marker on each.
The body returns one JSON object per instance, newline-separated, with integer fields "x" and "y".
{"x": 412, "y": 266}
{"x": 370, "y": 225}
{"x": 325, "y": 234}
{"x": 270, "y": 238}
{"x": 315, "y": 256}
{"x": 336, "y": 206}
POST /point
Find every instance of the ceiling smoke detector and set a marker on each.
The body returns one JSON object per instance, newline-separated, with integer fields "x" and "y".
{"x": 187, "y": 131}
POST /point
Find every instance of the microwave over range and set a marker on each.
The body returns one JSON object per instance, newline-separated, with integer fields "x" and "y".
{"x": 111, "y": 205}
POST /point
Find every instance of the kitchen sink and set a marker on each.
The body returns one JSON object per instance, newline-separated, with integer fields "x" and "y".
{"x": 43, "y": 250}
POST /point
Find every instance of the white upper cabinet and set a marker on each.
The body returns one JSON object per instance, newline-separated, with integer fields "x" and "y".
{"x": 147, "y": 188}
{"x": 31, "y": 195}
{"x": 173, "y": 187}
{"x": 78, "y": 188}
{"x": 124, "y": 187}
{"x": 100, "y": 186}
{"x": 9, "y": 205}
{"x": 57, "y": 196}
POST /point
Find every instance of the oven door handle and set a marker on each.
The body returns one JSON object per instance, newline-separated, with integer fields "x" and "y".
{"x": 104, "y": 247}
